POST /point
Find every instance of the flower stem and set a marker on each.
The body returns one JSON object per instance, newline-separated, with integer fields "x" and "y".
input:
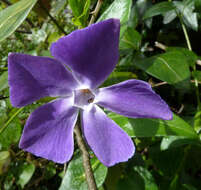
{"x": 194, "y": 67}
{"x": 95, "y": 12}
{"x": 86, "y": 159}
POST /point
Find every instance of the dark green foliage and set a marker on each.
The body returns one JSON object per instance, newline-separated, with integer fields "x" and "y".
{"x": 167, "y": 152}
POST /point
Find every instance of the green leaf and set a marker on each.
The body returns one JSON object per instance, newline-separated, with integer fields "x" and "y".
{"x": 147, "y": 177}
{"x": 130, "y": 182}
{"x": 174, "y": 141}
{"x": 119, "y": 9}
{"x": 131, "y": 40}
{"x": 198, "y": 6}
{"x": 159, "y": 8}
{"x": 59, "y": 7}
{"x": 74, "y": 178}
{"x": 197, "y": 75}
{"x": 13, "y": 16}
{"x": 171, "y": 67}
{"x": 190, "y": 55}
{"x": 197, "y": 122}
{"x": 11, "y": 134}
{"x": 169, "y": 16}
{"x": 189, "y": 187}
{"x": 27, "y": 170}
{"x": 4, "y": 81}
{"x": 185, "y": 9}
{"x": 154, "y": 127}
{"x": 80, "y": 9}
{"x": 139, "y": 178}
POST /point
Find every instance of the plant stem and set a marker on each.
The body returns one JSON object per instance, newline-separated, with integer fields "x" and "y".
{"x": 186, "y": 36}
{"x": 194, "y": 67}
{"x": 52, "y": 18}
{"x": 86, "y": 159}
{"x": 78, "y": 134}
{"x": 95, "y": 12}
{"x": 11, "y": 118}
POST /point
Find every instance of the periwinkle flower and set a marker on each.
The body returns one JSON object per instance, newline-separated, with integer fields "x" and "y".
{"x": 82, "y": 61}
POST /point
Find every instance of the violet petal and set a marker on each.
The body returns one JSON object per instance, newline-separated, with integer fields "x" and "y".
{"x": 107, "y": 140}
{"x": 133, "y": 98}
{"x": 48, "y": 132}
{"x": 91, "y": 53}
{"x": 33, "y": 77}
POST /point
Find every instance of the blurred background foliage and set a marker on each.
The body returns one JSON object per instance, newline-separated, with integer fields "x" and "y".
{"x": 160, "y": 44}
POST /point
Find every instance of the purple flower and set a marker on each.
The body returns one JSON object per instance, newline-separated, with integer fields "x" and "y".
{"x": 91, "y": 54}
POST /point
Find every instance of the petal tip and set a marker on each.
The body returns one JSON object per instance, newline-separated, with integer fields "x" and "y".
{"x": 129, "y": 156}
{"x": 168, "y": 116}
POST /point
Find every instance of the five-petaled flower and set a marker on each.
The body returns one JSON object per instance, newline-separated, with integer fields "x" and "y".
{"x": 82, "y": 61}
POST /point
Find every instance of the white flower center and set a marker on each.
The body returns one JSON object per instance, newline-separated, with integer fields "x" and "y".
{"x": 83, "y": 98}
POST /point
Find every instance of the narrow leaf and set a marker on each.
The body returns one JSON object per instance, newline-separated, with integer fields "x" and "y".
{"x": 13, "y": 16}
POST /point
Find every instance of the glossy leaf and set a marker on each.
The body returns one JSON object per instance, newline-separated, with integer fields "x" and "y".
{"x": 130, "y": 40}
{"x": 13, "y": 16}
{"x": 27, "y": 170}
{"x": 171, "y": 67}
{"x": 186, "y": 9}
{"x": 80, "y": 10}
{"x": 120, "y": 9}
{"x": 169, "y": 16}
{"x": 190, "y": 55}
{"x": 154, "y": 127}
{"x": 147, "y": 177}
{"x": 159, "y": 8}
{"x": 174, "y": 141}
{"x": 74, "y": 178}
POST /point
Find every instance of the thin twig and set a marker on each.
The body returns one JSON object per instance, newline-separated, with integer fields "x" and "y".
{"x": 164, "y": 83}
{"x": 52, "y": 18}
{"x": 159, "y": 84}
{"x": 198, "y": 62}
{"x": 86, "y": 159}
{"x": 23, "y": 32}
{"x": 160, "y": 45}
{"x": 95, "y": 12}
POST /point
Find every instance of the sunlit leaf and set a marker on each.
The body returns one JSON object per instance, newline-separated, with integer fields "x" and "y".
{"x": 26, "y": 173}
{"x": 119, "y": 9}
{"x": 154, "y": 127}
{"x": 13, "y": 16}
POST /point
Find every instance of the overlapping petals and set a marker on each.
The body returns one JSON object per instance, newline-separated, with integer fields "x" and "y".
{"x": 91, "y": 53}
{"x": 32, "y": 77}
{"x": 133, "y": 98}
{"x": 48, "y": 132}
{"x": 107, "y": 140}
